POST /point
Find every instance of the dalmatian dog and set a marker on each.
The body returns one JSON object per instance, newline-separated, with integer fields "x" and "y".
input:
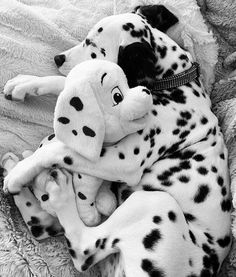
{"x": 175, "y": 168}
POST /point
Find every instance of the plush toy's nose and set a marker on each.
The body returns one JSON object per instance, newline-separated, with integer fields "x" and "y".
{"x": 59, "y": 60}
{"x": 137, "y": 104}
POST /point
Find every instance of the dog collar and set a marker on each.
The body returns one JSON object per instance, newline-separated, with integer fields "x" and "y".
{"x": 178, "y": 79}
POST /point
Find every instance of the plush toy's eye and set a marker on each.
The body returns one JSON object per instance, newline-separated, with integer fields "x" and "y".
{"x": 116, "y": 95}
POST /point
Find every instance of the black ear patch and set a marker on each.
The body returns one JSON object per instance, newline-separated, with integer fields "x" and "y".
{"x": 138, "y": 63}
{"x": 158, "y": 16}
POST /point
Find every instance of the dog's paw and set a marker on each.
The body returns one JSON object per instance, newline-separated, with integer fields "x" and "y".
{"x": 19, "y": 176}
{"x": 20, "y": 86}
{"x": 60, "y": 189}
{"x": 8, "y": 161}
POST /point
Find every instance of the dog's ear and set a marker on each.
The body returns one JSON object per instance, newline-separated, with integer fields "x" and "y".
{"x": 158, "y": 16}
{"x": 138, "y": 63}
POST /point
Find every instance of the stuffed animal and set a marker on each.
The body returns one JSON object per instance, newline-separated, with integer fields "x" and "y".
{"x": 87, "y": 116}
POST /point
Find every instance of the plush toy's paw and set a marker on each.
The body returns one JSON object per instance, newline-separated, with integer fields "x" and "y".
{"x": 18, "y": 87}
{"x": 91, "y": 217}
{"x": 106, "y": 202}
{"x": 60, "y": 189}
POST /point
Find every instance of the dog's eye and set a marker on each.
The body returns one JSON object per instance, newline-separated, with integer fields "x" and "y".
{"x": 116, "y": 95}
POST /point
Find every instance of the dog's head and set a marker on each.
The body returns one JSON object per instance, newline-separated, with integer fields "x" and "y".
{"x": 97, "y": 106}
{"x": 127, "y": 39}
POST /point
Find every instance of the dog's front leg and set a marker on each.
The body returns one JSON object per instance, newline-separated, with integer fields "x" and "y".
{"x": 109, "y": 167}
{"x": 22, "y": 85}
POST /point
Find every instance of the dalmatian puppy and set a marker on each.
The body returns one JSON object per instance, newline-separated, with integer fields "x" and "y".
{"x": 177, "y": 164}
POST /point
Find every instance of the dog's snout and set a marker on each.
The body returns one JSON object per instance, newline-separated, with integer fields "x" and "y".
{"x": 59, "y": 60}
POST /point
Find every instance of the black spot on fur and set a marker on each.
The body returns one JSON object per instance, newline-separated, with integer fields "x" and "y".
{"x": 151, "y": 270}
{"x": 44, "y": 197}
{"x": 121, "y": 156}
{"x": 28, "y": 204}
{"x": 214, "y": 169}
{"x": 36, "y": 231}
{"x": 172, "y": 216}
{"x": 88, "y": 132}
{"x": 202, "y": 193}
{"x": 82, "y": 196}
{"x": 199, "y": 158}
{"x": 97, "y": 243}
{"x": 176, "y": 131}
{"x": 157, "y": 219}
{"x": 103, "y": 244}
{"x": 34, "y": 220}
{"x": 223, "y": 191}
{"x": 189, "y": 217}
{"x": 63, "y": 120}
{"x": 185, "y": 165}
{"x": 193, "y": 238}
{"x": 184, "y": 134}
{"x": 68, "y": 160}
{"x": 222, "y": 156}
{"x": 100, "y": 29}
{"x": 136, "y": 150}
{"x": 181, "y": 122}
{"x": 162, "y": 50}
{"x": 184, "y": 179}
{"x": 177, "y": 95}
{"x": 86, "y": 252}
{"x": 51, "y": 137}
{"x": 224, "y": 242}
{"x": 151, "y": 239}
{"x": 88, "y": 262}
{"x": 103, "y": 51}
{"x": 183, "y": 57}
{"x": 187, "y": 115}
{"x": 149, "y": 188}
{"x": 202, "y": 170}
{"x": 168, "y": 73}
{"x": 93, "y": 55}
{"x": 196, "y": 93}
{"x": 76, "y": 103}
{"x": 226, "y": 205}
{"x": 161, "y": 150}
{"x": 204, "y": 120}
{"x": 220, "y": 181}
{"x": 114, "y": 242}
{"x": 74, "y": 132}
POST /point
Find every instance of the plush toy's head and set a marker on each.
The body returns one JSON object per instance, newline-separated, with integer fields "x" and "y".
{"x": 97, "y": 106}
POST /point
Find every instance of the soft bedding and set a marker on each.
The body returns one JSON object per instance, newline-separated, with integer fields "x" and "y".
{"x": 31, "y": 33}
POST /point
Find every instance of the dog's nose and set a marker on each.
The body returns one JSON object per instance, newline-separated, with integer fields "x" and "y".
{"x": 59, "y": 60}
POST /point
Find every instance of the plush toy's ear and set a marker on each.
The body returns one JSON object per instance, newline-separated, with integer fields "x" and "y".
{"x": 158, "y": 16}
{"x": 79, "y": 121}
{"x": 138, "y": 63}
